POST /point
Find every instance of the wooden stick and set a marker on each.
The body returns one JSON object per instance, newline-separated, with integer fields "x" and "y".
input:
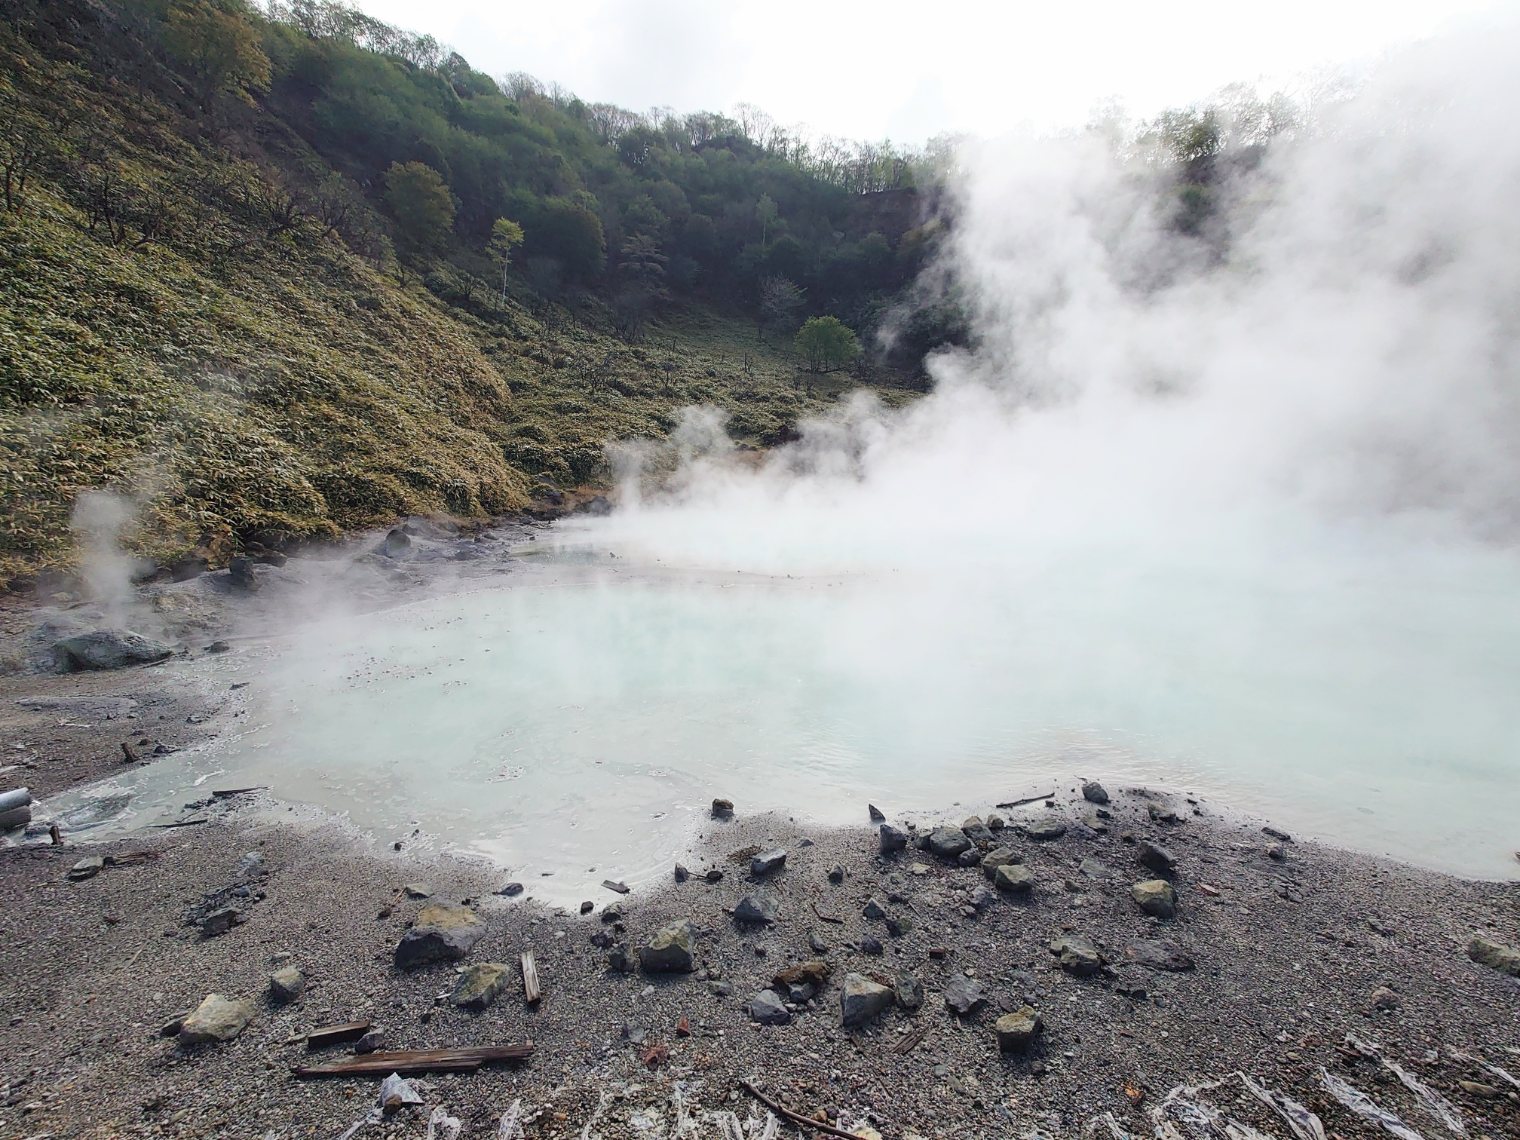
{"x": 796, "y": 1117}
{"x": 913, "y": 1040}
{"x": 826, "y": 917}
{"x": 336, "y": 1034}
{"x": 1028, "y": 800}
{"x": 183, "y": 823}
{"x": 530, "y": 978}
{"x": 223, "y": 793}
{"x": 464, "y": 1059}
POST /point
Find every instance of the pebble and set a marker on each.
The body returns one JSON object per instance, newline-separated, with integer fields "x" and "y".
{"x": 767, "y": 1008}
{"x": 767, "y": 863}
{"x": 757, "y": 909}
{"x": 1016, "y": 1031}
{"x": 286, "y": 985}
{"x": 1156, "y": 857}
{"x": 965, "y": 995}
{"x": 1155, "y": 897}
{"x": 861, "y": 1000}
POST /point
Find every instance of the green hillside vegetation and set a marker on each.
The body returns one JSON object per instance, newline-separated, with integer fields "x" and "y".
{"x": 248, "y": 276}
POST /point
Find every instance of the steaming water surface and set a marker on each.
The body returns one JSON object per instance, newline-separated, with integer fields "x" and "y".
{"x": 578, "y": 720}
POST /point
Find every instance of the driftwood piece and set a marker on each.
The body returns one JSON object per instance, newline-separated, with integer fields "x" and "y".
{"x": 1028, "y": 800}
{"x": 913, "y": 1040}
{"x": 620, "y": 887}
{"x": 530, "y": 978}
{"x": 325, "y": 1035}
{"x": 465, "y": 1059}
{"x": 182, "y": 823}
{"x": 223, "y": 793}
{"x": 796, "y": 1117}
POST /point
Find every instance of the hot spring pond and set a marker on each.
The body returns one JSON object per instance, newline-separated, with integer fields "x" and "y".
{"x": 578, "y": 721}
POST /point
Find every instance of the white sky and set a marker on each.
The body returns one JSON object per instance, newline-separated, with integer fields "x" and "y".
{"x": 869, "y": 70}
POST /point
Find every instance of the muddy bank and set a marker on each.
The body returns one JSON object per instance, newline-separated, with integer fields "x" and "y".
{"x": 1274, "y": 952}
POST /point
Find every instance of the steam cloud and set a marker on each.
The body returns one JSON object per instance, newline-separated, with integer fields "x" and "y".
{"x": 1352, "y": 356}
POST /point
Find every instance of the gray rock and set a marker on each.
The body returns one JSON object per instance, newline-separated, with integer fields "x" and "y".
{"x": 874, "y": 909}
{"x": 892, "y": 839}
{"x": 217, "y": 1018}
{"x": 1076, "y": 955}
{"x": 1161, "y": 813}
{"x": 1014, "y": 878}
{"x": 286, "y": 985}
{"x": 511, "y": 890}
{"x": 982, "y": 897}
{"x": 869, "y": 944}
{"x": 220, "y": 921}
{"x": 766, "y": 1008}
{"x": 682, "y": 874}
{"x": 969, "y": 858}
{"x": 910, "y": 992}
{"x": 396, "y": 1092}
{"x": 948, "y": 842}
{"x": 1386, "y": 1000}
{"x": 669, "y": 951}
{"x": 1158, "y": 955}
{"x": 617, "y": 959}
{"x": 965, "y": 995}
{"x": 836, "y": 874}
{"x": 86, "y": 868}
{"x": 1496, "y": 955}
{"x": 369, "y": 1043}
{"x": 999, "y": 857}
{"x": 1094, "y": 792}
{"x": 977, "y": 831}
{"x": 876, "y": 814}
{"x": 1156, "y": 857}
{"x": 756, "y": 908}
{"x": 862, "y": 1000}
{"x": 817, "y": 943}
{"x": 1277, "y": 853}
{"x": 1095, "y": 869}
{"x": 767, "y": 863}
{"x": 995, "y": 823}
{"x": 107, "y": 649}
{"x": 1155, "y": 897}
{"x": 1016, "y": 1031}
{"x": 480, "y": 985}
{"x": 440, "y": 934}
{"x": 1045, "y": 829}
{"x": 241, "y": 573}
{"x": 722, "y": 809}
{"x": 418, "y": 890}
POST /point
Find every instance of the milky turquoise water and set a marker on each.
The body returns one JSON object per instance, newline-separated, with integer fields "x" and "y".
{"x": 578, "y": 719}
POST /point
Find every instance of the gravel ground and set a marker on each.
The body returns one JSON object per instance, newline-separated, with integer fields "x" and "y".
{"x": 1293, "y": 946}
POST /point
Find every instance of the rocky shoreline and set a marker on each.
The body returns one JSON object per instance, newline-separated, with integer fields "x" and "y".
{"x": 1100, "y": 962}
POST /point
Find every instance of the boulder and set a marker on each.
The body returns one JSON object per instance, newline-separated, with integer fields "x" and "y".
{"x": 767, "y": 1008}
{"x": 480, "y": 985}
{"x": 440, "y": 934}
{"x": 217, "y": 1018}
{"x": 767, "y": 863}
{"x": 1016, "y": 1031}
{"x": 948, "y": 842}
{"x": 1076, "y": 955}
{"x": 756, "y": 908}
{"x": 1155, "y": 897}
{"x": 862, "y": 1000}
{"x": 286, "y": 985}
{"x": 1496, "y": 955}
{"x": 999, "y": 857}
{"x": 1156, "y": 857}
{"x": 1014, "y": 878}
{"x": 669, "y": 951}
{"x": 107, "y": 649}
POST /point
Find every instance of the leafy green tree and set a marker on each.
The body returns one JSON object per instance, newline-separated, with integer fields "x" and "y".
{"x": 827, "y": 344}
{"x": 215, "y": 45}
{"x": 421, "y": 207}
{"x": 506, "y": 236}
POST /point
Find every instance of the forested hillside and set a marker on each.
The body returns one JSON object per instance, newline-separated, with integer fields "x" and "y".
{"x": 280, "y": 274}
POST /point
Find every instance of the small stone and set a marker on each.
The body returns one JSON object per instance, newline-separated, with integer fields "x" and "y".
{"x": 836, "y": 875}
{"x": 1156, "y": 857}
{"x": 767, "y": 863}
{"x": 480, "y": 984}
{"x": 440, "y": 934}
{"x": 1094, "y": 792}
{"x": 511, "y": 890}
{"x": 977, "y": 831}
{"x": 984, "y": 896}
{"x": 969, "y": 857}
{"x": 418, "y": 890}
{"x": 1487, "y": 952}
{"x": 1386, "y": 1000}
{"x": 910, "y": 992}
{"x": 1094, "y": 869}
{"x": 714, "y": 875}
{"x": 817, "y": 943}
{"x": 995, "y": 823}
{"x": 1014, "y": 878}
{"x": 617, "y": 959}
{"x": 1045, "y": 829}
{"x": 1277, "y": 853}
{"x": 898, "y": 925}
{"x": 1478, "y": 1088}
{"x": 86, "y": 868}
{"x": 1016, "y": 1031}
{"x": 965, "y": 995}
{"x": 813, "y": 971}
{"x": 874, "y": 909}
{"x": 876, "y": 814}
{"x": 1076, "y": 955}
{"x": 1274, "y": 833}
{"x": 220, "y": 921}
{"x": 722, "y": 809}
{"x": 397, "y": 1093}
{"x": 1155, "y": 897}
{"x": 217, "y": 1018}
{"x": 369, "y": 1043}
{"x": 999, "y": 857}
{"x": 756, "y": 909}
{"x": 870, "y": 944}
{"x": 862, "y": 1000}
{"x": 587, "y": 906}
{"x": 1161, "y": 813}
{"x": 766, "y": 1008}
{"x": 892, "y": 839}
{"x": 669, "y": 951}
{"x": 682, "y": 874}
{"x": 286, "y": 985}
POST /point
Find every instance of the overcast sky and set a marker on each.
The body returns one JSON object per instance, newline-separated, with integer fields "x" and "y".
{"x": 904, "y": 71}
